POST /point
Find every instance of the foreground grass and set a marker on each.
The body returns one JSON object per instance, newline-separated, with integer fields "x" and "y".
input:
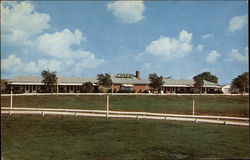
{"x": 73, "y": 138}
{"x": 210, "y": 105}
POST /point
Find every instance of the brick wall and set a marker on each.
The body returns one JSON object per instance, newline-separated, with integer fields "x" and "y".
{"x": 137, "y": 87}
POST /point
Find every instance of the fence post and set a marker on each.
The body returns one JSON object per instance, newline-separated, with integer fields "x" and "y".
{"x": 193, "y": 107}
{"x": 107, "y": 106}
{"x": 11, "y": 101}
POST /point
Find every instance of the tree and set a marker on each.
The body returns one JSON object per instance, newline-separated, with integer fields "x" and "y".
{"x": 49, "y": 79}
{"x": 104, "y": 80}
{"x": 198, "y": 82}
{"x": 156, "y": 82}
{"x": 209, "y": 77}
{"x": 87, "y": 87}
{"x": 241, "y": 83}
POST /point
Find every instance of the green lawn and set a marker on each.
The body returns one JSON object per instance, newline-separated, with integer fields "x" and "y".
{"x": 74, "y": 138}
{"x": 209, "y": 105}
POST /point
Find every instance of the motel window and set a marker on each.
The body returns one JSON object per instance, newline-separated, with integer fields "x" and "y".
{"x": 27, "y": 87}
{"x": 71, "y": 88}
{"x": 34, "y": 87}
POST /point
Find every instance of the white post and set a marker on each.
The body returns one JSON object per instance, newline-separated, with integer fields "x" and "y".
{"x": 57, "y": 86}
{"x": 193, "y": 107}
{"x": 107, "y": 106}
{"x": 112, "y": 89}
{"x": 11, "y": 98}
{"x": 11, "y": 101}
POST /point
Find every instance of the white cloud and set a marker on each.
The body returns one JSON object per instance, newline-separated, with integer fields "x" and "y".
{"x": 58, "y": 51}
{"x": 237, "y": 23}
{"x": 212, "y": 56}
{"x": 199, "y": 47}
{"x": 207, "y": 36}
{"x": 61, "y": 57}
{"x": 235, "y": 55}
{"x": 128, "y": 11}
{"x": 170, "y": 47}
{"x": 185, "y": 37}
{"x": 59, "y": 44}
{"x": 16, "y": 66}
{"x": 20, "y": 21}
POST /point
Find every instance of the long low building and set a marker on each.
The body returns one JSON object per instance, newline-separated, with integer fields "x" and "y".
{"x": 121, "y": 82}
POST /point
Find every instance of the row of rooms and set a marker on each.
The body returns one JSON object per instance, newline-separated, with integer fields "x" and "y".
{"x": 43, "y": 89}
{"x": 115, "y": 87}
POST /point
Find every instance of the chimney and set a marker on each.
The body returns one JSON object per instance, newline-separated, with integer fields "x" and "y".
{"x": 137, "y": 75}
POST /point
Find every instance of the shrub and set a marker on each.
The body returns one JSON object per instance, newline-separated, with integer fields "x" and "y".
{"x": 100, "y": 90}
{"x": 17, "y": 91}
{"x": 124, "y": 91}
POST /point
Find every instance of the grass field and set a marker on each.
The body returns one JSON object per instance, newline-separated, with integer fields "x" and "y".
{"x": 205, "y": 105}
{"x": 73, "y": 138}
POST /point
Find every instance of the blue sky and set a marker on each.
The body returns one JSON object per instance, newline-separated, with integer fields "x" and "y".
{"x": 83, "y": 38}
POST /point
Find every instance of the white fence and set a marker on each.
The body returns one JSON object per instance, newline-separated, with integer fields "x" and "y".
{"x": 121, "y": 94}
{"x": 240, "y": 121}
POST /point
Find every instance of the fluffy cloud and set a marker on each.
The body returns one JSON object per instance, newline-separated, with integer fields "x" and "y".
{"x": 20, "y": 22}
{"x": 22, "y": 25}
{"x": 199, "y": 47}
{"x": 235, "y": 55}
{"x": 212, "y": 56}
{"x": 128, "y": 11}
{"x": 207, "y": 36}
{"x": 59, "y": 44}
{"x": 237, "y": 23}
{"x": 170, "y": 47}
{"x": 15, "y": 65}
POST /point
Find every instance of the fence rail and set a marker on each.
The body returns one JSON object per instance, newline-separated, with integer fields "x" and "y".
{"x": 121, "y": 94}
{"x": 122, "y": 114}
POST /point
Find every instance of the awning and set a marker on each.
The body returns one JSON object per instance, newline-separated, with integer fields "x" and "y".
{"x": 127, "y": 85}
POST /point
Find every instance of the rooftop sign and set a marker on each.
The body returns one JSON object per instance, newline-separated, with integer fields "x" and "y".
{"x": 124, "y": 75}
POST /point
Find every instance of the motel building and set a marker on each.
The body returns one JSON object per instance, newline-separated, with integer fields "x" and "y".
{"x": 121, "y": 82}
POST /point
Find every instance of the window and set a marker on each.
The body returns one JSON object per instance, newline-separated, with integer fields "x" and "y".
{"x": 71, "y": 88}
{"x": 34, "y": 87}
{"x": 126, "y": 88}
{"x": 27, "y": 87}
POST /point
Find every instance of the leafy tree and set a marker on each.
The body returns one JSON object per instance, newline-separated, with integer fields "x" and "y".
{"x": 49, "y": 79}
{"x": 87, "y": 87}
{"x": 209, "y": 77}
{"x": 156, "y": 82}
{"x": 241, "y": 83}
{"x": 198, "y": 82}
{"x": 104, "y": 80}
